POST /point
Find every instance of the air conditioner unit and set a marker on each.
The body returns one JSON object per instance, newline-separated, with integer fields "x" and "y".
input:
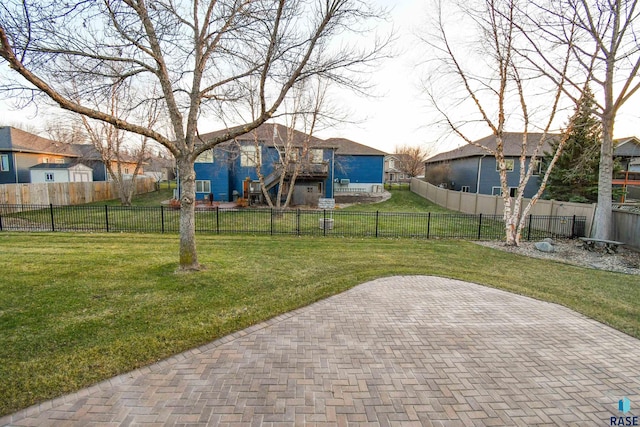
{"x": 344, "y": 182}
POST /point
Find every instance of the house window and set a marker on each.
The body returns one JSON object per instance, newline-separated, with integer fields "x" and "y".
{"x": 4, "y": 163}
{"x": 126, "y": 170}
{"x": 537, "y": 167}
{"x": 203, "y": 186}
{"x": 205, "y": 157}
{"x": 60, "y": 161}
{"x": 391, "y": 163}
{"x": 292, "y": 155}
{"x": 497, "y": 191}
{"x": 45, "y": 160}
{"x": 464, "y": 189}
{"x": 48, "y": 177}
{"x": 316, "y": 155}
{"x": 249, "y": 156}
{"x": 509, "y": 164}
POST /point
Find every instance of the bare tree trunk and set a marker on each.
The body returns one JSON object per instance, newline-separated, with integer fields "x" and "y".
{"x": 188, "y": 255}
{"x": 603, "y": 215}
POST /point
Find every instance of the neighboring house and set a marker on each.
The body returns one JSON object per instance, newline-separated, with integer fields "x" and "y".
{"x": 472, "y": 169}
{"x": 336, "y": 165}
{"x": 61, "y": 172}
{"x": 20, "y": 150}
{"x": 160, "y": 168}
{"x": 393, "y": 172}
{"x": 627, "y": 150}
{"x": 88, "y": 155}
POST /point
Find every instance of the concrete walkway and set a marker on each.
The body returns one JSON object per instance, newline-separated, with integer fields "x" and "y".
{"x": 396, "y": 351}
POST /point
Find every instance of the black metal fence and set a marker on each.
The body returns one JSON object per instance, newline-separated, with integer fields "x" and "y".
{"x": 277, "y": 222}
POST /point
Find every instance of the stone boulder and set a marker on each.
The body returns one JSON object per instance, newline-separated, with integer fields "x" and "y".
{"x": 545, "y": 247}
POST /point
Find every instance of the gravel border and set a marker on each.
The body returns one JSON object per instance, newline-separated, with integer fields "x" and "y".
{"x": 571, "y": 252}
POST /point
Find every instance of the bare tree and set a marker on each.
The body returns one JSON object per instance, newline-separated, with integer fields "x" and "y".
{"x": 498, "y": 91}
{"x": 606, "y": 55}
{"x": 201, "y": 57}
{"x": 295, "y": 150}
{"x": 115, "y": 145}
{"x": 66, "y": 130}
{"x": 410, "y": 159}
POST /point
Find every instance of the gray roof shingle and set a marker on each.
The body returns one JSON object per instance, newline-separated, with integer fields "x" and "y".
{"x": 512, "y": 146}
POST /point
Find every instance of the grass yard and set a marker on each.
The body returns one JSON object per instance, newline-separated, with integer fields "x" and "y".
{"x": 153, "y": 198}
{"x": 79, "y": 308}
{"x": 400, "y": 201}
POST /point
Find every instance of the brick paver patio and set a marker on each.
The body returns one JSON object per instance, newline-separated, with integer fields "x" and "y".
{"x": 394, "y": 351}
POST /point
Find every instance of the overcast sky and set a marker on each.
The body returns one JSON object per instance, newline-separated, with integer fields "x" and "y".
{"x": 399, "y": 112}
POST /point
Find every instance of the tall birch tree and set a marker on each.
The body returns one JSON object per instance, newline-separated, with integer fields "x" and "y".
{"x": 605, "y": 56}
{"x": 201, "y": 57}
{"x": 498, "y": 86}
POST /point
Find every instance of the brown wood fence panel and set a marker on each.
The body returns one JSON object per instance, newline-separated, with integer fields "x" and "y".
{"x": 66, "y": 193}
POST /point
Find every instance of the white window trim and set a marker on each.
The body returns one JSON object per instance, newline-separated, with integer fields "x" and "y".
{"x": 316, "y": 155}
{"x": 250, "y": 156}
{"x": 205, "y": 157}
{"x": 4, "y": 163}
{"x": 537, "y": 167}
{"x": 499, "y": 193}
{"x": 205, "y": 186}
{"x": 507, "y": 161}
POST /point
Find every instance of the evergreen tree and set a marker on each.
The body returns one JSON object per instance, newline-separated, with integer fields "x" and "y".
{"x": 575, "y": 175}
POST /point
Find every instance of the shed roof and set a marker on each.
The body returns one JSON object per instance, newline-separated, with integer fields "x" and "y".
{"x": 58, "y": 166}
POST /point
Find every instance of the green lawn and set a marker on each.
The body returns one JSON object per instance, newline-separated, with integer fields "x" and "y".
{"x": 146, "y": 199}
{"x": 404, "y": 215}
{"x": 78, "y": 308}
{"x": 400, "y": 201}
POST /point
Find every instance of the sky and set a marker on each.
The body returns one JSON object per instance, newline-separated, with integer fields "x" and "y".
{"x": 398, "y": 112}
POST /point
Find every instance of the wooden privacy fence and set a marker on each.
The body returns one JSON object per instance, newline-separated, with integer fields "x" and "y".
{"x": 67, "y": 193}
{"x": 472, "y": 203}
{"x": 626, "y": 224}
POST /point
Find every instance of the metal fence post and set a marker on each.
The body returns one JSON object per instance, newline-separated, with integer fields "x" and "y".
{"x": 377, "y": 217}
{"x": 53, "y": 225}
{"x": 298, "y": 222}
{"x": 324, "y": 222}
{"x": 272, "y": 221}
{"x": 573, "y": 227}
{"x": 428, "y": 224}
{"x": 217, "y": 219}
{"x": 529, "y": 230}
{"x": 480, "y": 227}
{"x": 106, "y": 217}
{"x": 162, "y": 218}
{"x": 0, "y": 222}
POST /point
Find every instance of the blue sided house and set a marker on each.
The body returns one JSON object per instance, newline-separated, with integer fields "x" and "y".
{"x": 470, "y": 168}
{"x": 273, "y": 154}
